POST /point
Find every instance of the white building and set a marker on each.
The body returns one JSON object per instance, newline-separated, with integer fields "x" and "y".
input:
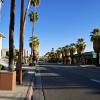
{"x": 1, "y": 36}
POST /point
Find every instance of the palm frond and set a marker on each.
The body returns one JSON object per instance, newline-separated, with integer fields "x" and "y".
{"x": 35, "y": 3}
{"x": 33, "y": 16}
{"x": 95, "y": 34}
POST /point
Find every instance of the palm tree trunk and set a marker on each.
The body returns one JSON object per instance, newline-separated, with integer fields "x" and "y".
{"x": 11, "y": 35}
{"x": 26, "y": 13}
{"x": 98, "y": 59}
{"x": 21, "y": 44}
{"x": 32, "y": 37}
{"x": 72, "y": 59}
{"x": 31, "y": 51}
{"x": 33, "y": 29}
{"x": 22, "y": 29}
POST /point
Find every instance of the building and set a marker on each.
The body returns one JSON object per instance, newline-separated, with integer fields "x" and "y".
{"x": 5, "y": 54}
{"x": 85, "y": 58}
{"x": 1, "y": 36}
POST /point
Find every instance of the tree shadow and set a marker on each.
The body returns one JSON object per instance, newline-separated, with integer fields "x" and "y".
{"x": 66, "y": 78}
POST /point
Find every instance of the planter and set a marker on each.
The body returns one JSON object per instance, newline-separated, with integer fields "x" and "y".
{"x": 7, "y": 80}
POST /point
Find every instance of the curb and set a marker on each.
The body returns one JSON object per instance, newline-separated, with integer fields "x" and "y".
{"x": 29, "y": 95}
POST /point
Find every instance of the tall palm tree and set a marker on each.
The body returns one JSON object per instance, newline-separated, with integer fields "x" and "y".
{"x": 11, "y": 35}
{"x": 80, "y": 46}
{"x": 22, "y": 29}
{"x": 33, "y": 18}
{"x": 72, "y": 51}
{"x": 95, "y": 38}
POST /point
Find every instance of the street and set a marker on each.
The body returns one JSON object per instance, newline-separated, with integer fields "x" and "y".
{"x": 57, "y": 82}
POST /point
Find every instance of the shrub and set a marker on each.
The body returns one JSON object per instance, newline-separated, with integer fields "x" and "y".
{"x": 1, "y": 67}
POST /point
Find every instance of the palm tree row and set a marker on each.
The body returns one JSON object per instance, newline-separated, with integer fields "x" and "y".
{"x": 66, "y": 53}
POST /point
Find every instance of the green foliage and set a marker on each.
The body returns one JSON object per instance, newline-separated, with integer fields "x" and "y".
{"x": 35, "y": 42}
{"x": 1, "y": 66}
{"x": 72, "y": 48}
{"x": 80, "y": 45}
{"x": 58, "y": 51}
{"x": 95, "y": 34}
{"x": 35, "y": 3}
{"x": 33, "y": 16}
{"x": 31, "y": 64}
{"x": 66, "y": 49}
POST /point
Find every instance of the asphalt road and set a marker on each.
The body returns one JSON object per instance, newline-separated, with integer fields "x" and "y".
{"x": 54, "y": 82}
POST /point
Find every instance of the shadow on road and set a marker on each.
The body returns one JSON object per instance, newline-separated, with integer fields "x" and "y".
{"x": 68, "y": 78}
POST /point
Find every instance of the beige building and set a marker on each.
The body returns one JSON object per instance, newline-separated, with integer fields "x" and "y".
{"x": 5, "y": 53}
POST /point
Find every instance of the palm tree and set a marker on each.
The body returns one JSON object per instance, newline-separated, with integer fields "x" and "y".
{"x": 72, "y": 51}
{"x": 35, "y": 46}
{"x": 80, "y": 46}
{"x": 58, "y": 51}
{"x": 67, "y": 54}
{"x": 51, "y": 55}
{"x": 21, "y": 43}
{"x": 22, "y": 29}
{"x": 63, "y": 55}
{"x": 33, "y": 18}
{"x": 95, "y": 38}
{"x": 46, "y": 56}
{"x": 11, "y": 35}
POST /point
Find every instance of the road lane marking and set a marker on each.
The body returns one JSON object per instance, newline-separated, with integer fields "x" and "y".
{"x": 94, "y": 80}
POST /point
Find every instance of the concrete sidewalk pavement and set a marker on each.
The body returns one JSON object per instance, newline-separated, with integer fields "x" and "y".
{"x": 22, "y": 92}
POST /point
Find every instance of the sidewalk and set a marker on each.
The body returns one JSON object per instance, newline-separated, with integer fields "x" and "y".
{"x": 22, "y": 92}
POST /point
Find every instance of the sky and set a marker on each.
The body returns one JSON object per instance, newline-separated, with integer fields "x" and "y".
{"x": 60, "y": 23}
